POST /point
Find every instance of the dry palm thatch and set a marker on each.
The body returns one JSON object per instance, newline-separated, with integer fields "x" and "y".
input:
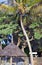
{"x": 36, "y": 9}
{"x": 13, "y": 50}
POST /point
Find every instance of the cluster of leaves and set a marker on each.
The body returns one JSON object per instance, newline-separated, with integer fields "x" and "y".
{"x": 28, "y": 2}
{"x": 34, "y": 22}
{"x": 33, "y": 25}
{"x": 36, "y": 25}
{"x": 5, "y": 9}
{"x": 7, "y": 28}
{"x": 37, "y": 30}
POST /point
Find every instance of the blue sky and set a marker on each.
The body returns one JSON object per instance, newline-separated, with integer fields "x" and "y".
{"x": 3, "y": 1}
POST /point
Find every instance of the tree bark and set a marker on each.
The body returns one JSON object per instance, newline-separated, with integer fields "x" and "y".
{"x": 29, "y": 45}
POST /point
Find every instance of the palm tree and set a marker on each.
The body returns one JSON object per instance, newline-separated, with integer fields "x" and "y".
{"x": 29, "y": 45}
{"x": 24, "y": 31}
{"x": 23, "y": 10}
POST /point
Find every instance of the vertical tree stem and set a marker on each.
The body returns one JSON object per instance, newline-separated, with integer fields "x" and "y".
{"x": 29, "y": 45}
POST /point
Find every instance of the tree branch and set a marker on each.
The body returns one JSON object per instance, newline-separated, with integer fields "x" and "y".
{"x": 31, "y": 39}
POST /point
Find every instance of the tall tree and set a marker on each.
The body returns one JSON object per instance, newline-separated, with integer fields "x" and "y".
{"x": 22, "y": 11}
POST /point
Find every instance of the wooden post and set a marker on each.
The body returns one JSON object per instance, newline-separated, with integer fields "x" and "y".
{"x": 26, "y": 61}
{"x": 11, "y": 61}
{"x": 0, "y": 60}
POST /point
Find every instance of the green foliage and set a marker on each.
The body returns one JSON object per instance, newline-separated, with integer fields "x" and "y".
{"x": 7, "y": 28}
{"x": 0, "y": 39}
{"x": 34, "y": 24}
{"x": 20, "y": 34}
{"x": 38, "y": 34}
{"x": 37, "y": 29}
{"x": 36, "y": 21}
{"x": 10, "y": 27}
{"x": 2, "y": 18}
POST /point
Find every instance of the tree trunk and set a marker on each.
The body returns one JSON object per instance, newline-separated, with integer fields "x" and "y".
{"x": 29, "y": 45}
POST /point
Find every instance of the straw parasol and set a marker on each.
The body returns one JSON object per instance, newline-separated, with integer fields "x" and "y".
{"x": 13, "y": 50}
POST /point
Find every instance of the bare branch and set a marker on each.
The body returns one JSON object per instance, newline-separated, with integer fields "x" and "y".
{"x": 18, "y": 42}
{"x": 32, "y": 38}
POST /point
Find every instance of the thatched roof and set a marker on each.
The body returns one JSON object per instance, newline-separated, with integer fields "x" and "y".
{"x": 12, "y": 50}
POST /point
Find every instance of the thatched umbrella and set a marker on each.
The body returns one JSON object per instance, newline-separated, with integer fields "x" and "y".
{"x": 12, "y": 51}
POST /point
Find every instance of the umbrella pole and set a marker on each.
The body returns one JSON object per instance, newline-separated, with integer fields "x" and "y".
{"x": 0, "y": 60}
{"x": 10, "y": 60}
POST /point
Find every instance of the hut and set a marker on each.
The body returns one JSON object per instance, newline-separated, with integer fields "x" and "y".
{"x": 12, "y": 55}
